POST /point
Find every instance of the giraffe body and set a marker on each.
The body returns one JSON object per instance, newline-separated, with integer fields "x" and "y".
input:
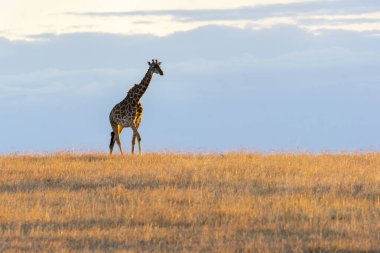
{"x": 128, "y": 113}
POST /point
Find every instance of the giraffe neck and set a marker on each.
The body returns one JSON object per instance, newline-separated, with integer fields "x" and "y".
{"x": 143, "y": 85}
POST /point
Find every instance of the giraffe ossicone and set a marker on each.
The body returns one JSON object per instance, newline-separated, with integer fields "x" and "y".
{"x": 128, "y": 113}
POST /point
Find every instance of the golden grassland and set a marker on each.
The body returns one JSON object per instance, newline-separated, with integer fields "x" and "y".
{"x": 180, "y": 202}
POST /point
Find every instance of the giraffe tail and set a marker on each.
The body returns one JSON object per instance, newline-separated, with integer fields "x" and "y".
{"x": 112, "y": 138}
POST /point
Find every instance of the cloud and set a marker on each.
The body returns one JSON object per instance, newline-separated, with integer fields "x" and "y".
{"x": 338, "y": 21}
{"x": 339, "y": 7}
{"x": 276, "y": 89}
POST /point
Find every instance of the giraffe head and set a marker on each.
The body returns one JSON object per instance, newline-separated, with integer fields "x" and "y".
{"x": 155, "y": 67}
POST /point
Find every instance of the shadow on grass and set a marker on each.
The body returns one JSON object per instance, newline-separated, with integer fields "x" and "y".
{"x": 84, "y": 244}
{"x": 27, "y": 242}
{"x": 52, "y": 226}
{"x": 61, "y": 184}
{"x": 110, "y": 244}
{"x": 324, "y": 250}
{"x": 150, "y": 181}
{"x": 86, "y": 224}
{"x": 132, "y": 183}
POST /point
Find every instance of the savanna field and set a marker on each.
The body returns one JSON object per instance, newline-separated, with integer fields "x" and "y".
{"x": 233, "y": 202}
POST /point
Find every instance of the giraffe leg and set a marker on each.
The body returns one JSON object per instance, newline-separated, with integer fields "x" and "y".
{"x": 138, "y": 120}
{"x": 113, "y": 139}
{"x": 119, "y": 143}
{"x": 136, "y": 134}
{"x": 133, "y": 143}
{"x": 112, "y": 143}
{"x": 139, "y": 139}
{"x": 117, "y": 135}
{"x": 134, "y": 140}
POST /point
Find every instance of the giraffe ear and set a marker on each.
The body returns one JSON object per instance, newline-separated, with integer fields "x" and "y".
{"x": 149, "y": 63}
{"x": 159, "y": 63}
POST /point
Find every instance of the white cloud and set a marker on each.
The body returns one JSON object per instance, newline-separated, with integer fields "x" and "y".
{"x": 23, "y": 19}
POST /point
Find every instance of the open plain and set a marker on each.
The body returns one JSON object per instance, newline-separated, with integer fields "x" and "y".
{"x": 233, "y": 202}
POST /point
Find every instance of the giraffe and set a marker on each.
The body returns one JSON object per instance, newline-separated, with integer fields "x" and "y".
{"x": 128, "y": 113}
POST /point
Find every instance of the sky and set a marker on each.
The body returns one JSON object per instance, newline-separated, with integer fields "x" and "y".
{"x": 257, "y": 76}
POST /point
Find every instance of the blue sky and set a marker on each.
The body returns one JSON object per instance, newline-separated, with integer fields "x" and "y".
{"x": 267, "y": 76}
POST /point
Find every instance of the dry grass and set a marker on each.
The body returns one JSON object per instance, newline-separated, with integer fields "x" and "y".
{"x": 173, "y": 202}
